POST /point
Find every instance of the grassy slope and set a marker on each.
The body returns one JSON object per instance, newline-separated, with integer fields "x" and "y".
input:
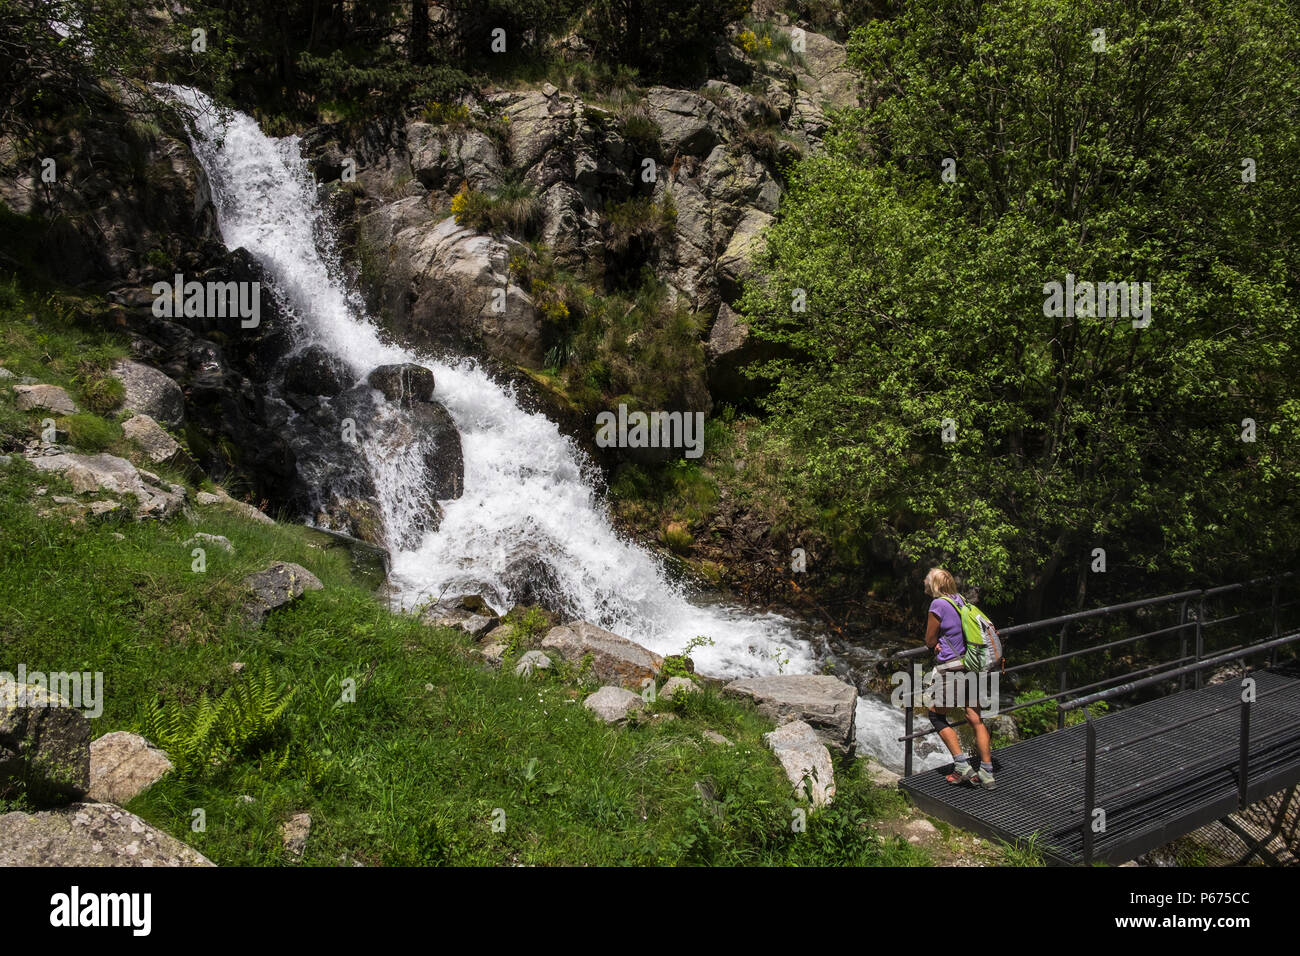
{"x": 435, "y": 742}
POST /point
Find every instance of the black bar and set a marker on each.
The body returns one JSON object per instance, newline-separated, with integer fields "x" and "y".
{"x": 1182, "y": 641}
{"x": 1200, "y": 637}
{"x": 1063, "y": 672}
{"x": 1089, "y": 789}
{"x": 1243, "y": 765}
{"x": 907, "y": 748}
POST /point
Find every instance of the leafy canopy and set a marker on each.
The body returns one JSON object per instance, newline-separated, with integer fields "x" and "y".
{"x": 925, "y": 298}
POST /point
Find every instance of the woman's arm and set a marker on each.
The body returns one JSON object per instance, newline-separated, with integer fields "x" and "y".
{"x": 932, "y": 630}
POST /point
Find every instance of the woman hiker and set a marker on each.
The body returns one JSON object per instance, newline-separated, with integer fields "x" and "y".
{"x": 943, "y": 635}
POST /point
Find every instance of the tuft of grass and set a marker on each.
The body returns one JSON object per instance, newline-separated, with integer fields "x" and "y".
{"x": 513, "y": 209}
{"x": 88, "y": 432}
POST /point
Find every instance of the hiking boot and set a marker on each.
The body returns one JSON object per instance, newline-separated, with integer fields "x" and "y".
{"x": 960, "y": 775}
{"x": 983, "y": 778}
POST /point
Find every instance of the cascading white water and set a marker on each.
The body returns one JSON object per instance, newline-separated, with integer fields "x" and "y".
{"x": 526, "y": 492}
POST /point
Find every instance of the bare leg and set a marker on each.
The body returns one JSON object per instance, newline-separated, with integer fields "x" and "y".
{"x": 982, "y": 741}
{"x": 949, "y": 736}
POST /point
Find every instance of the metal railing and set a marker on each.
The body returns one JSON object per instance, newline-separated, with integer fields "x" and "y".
{"x": 1212, "y": 761}
{"x": 1192, "y": 628}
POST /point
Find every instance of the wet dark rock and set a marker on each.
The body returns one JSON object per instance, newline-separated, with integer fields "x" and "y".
{"x": 403, "y": 384}
{"x": 316, "y": 371}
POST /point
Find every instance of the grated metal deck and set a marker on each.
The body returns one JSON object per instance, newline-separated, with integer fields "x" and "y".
{"x": 1040, "y": 791}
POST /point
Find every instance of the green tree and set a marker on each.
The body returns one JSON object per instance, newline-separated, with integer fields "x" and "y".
{"x": 663, "y": 38}
{"x": 1115, "y": 158}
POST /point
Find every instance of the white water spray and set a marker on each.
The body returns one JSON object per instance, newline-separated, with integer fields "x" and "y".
{"x": 527, "y": 500}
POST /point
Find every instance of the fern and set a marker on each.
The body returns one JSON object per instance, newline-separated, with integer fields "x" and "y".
{"x": 243, "y": 720}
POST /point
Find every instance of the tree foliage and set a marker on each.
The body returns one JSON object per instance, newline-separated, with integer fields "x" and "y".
{"x": 926, "y": 298}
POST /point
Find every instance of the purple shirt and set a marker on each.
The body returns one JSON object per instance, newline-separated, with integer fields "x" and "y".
{"x": 951, "y": 642}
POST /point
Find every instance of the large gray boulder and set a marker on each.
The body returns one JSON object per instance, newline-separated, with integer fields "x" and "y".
{"x": 688, "y": 123}
{"x": 90, "y": 834}
{"x": 43, "y": 398}
{"x": 805, "y": 760}
{"x": 109, "y": 473}
{"x": 403, "y": 384}
{"x": 826, "y": 703}
{"x": 613, "y": 704}
{"x": 44, "y": 745}
{"x": 614, "y": 659}
{"x": 123, "y": 766}
{"x": 150, "y": 392}
{"x": 280, "y": 584}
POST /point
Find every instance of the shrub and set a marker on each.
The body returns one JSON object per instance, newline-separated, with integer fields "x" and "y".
{"x": 640, "y": 131}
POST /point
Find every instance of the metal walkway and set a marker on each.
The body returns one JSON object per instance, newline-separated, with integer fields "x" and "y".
{"x": 1126, "y": 781}
{"x": 1041, "y": 782}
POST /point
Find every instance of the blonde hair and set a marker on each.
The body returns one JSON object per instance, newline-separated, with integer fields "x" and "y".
{"x": 939, "y": 582}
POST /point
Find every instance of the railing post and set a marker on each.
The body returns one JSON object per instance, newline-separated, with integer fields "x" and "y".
{"x": 1243, "y": 759}
{"x": 907, "y": 744}
{"x": 1277, "y": 622}
{"x": 1089, "y": 785}
{"x": 1182, "y": 641}
{"x": 1062, "y": 672}
{"x": 1200, "y": 635}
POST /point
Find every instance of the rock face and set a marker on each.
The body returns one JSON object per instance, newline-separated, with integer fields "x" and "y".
{"x": 688, "y": 123}
{"x": 826, "y": 703}
{"x": 44, "y": 745}
{"x": 613, "y": 659}
{"x": 123, "y": 766}
{"x": 89, "y": 834}
{"x": 805, "y": 760}
{"x": 43, "y": 398}
{"x": 445, "y": 284}
{"x": 150, "y": 392}
{"x": 280, "y": 584}
{"x": 612, "y": 704}
{"x": 109, "y": 473}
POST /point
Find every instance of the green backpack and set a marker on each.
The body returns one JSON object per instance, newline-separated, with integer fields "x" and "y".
{"x": 983, "y": 646}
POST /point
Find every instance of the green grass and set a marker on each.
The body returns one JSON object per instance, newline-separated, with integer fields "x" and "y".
{"x": 54, "y": 339}
{"x": 413, "y": 770}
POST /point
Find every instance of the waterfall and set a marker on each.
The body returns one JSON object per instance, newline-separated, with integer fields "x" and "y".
{"x": 528, "y": 499}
